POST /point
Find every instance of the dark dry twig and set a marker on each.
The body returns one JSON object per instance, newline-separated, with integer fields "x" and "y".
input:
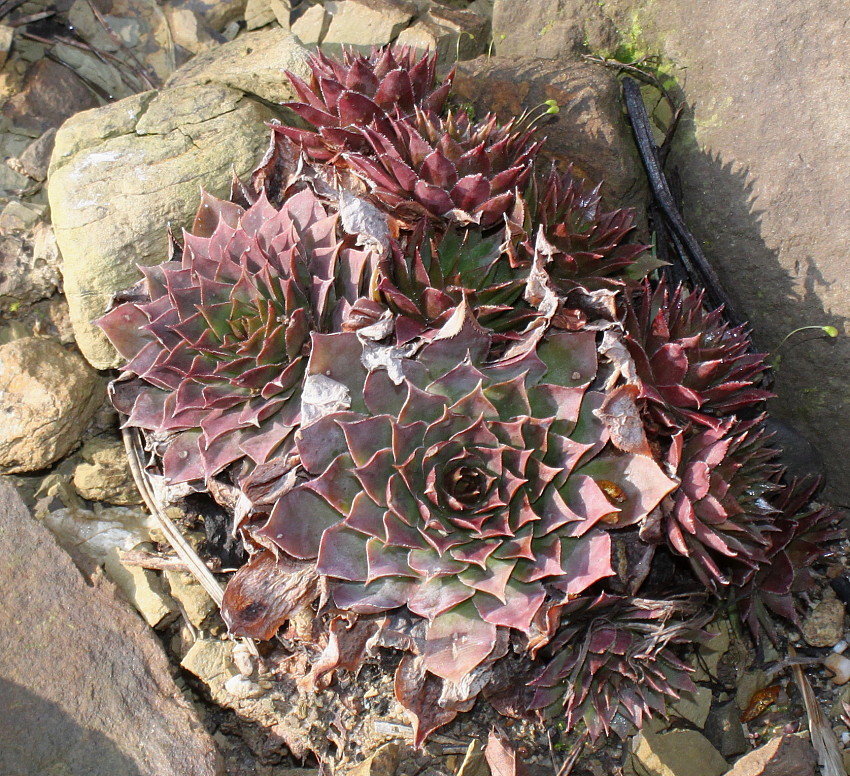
{"x": 30, "y": 19}
{"x": 700, "y": 272}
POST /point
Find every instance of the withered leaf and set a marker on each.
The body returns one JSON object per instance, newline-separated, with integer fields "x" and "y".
{"x": 265, "y": 592}
{"x": 418, "y": 691}
{"x": 620, "y": 414}
{"x": 500, "y": 755}
{"x": 346, "y": 648}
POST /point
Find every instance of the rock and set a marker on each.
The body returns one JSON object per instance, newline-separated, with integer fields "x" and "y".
{"x": 49, "y": 395}
{"x": 143, "y": 588}
{"x": 473, "y": 29}
{"x": 588, "y": 132}
{"x": 211, "y": 661}
{"x": 677, "y": 753}
{"x": 454, "y": 35}
{"x": 35, "y": 160}
{"x": 763, "y": 157}
{"x": 824, "y": 625}
{"x": 216, "y": 13}
{"x": 711, "y": 652}
{"x": 749, "y": 683}
{"x": 104, "y": 474}
{"x": 190, "y": 31}
{"x": 383, "y": 762}
{"x": 17, "y": 217}
{"x": 120, "y": 174}
{"x": 6, "y": 35}
{"x": 724, "y": 729}
{"x": 311, "y": 26}
{"x": 95, "y": 533}
{"x": 552, "y": 29}
{"x": 693, "y": 706}
{"x": 242, "y": 688}
{"x": 252, "y": 64}
{"x": 82, "y": 670}
{"x": 367, "y": 22}
{"x": 258, "y": 13}
{"x": 784, "y": 756}
{"x": 51, "y": 94}
{"x": 195, "y": 603}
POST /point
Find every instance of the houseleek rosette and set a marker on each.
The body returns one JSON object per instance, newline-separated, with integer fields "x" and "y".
{"x": 217, "y": 343}
{"x": 468, "y": 491}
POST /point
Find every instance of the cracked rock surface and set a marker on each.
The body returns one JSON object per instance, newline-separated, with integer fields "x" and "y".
{"x": 135, "y": 165}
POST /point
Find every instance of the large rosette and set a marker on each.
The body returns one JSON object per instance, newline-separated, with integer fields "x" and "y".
{"x": 217, "y": 342}
{"x": 463, "y": 490}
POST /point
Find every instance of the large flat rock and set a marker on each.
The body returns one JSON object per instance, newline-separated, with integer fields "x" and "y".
{"x": 85, "y": 687}
{"x": 764, "y": 159}
{"x": 120, "y": 175}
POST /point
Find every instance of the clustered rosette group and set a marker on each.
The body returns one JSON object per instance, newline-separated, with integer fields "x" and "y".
{"x": 444, "y": 385}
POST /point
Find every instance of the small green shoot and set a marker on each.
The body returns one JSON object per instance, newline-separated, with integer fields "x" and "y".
{"x": 546, "y": 108}
{"x": 830, "y": 332}
{"x": 459, "y": 39}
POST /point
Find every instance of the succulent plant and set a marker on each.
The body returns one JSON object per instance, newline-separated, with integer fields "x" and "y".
{"x": 345, "y": 96}
{"x": 218, "y": 342}
{"x": 693, "y": 366}
{"x": 799, "y": 535}
{"x": 613, "y": 657}
{"x": 468, "y": 491}
{"x": 446, "y": 168}
{"x": 721, "y": 510}
{"x": 584, "y": 245}
{"x": 424, "y": 281}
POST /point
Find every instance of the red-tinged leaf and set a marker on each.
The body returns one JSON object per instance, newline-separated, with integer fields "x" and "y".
{"x": 457, "y": 641}
{"x": 622, "y": 417}
{"x": 125, "y": 328}
{"x": 356, "y": 109}
{"x": 470, "y": 192}
{"x": 342, "y": 554}
{"x": 264, "y": 593}
{"x": 361, "y": 78}
{"x": 395, "y": 90}
{"x": 585, "y": 561}
{"x": 438, "y": 170}
{"x": 434, "y": 198}
{"x": 346, "y": 648}
{"x": 669, "y": 364}
{"x": 437, "y": 595}
{"x": 640, "y": 483}
{"x": 418, "y": 692}
{"x": 379, "y": 596}
{"x": 213, "y": 211}
{"x": 521, "y": 604}
{"x": 298, "y": 521}
{"x": 182, "y": 460}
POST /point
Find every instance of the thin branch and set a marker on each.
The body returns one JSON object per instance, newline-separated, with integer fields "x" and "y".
{"x": 140, "y": 70}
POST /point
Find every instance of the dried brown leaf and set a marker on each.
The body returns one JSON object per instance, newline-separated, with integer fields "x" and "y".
{"x": 346, "y": 648}
{"x": 418, "y": 691}
{"x": 265, "y": 593}
{"x": 620, "y": 414}
{"x": 500, "y": 755}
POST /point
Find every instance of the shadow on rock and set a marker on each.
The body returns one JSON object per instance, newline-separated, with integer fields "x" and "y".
{"x": 38, "y": 738}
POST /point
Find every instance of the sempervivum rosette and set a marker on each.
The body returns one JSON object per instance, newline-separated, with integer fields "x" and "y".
{"x": 217, "y": 342}
{"x": 424, "y": 281}
{"x": 800, "y": 533}
{"x": 613, "y": 657}
{"x": 345, "y": 95}
{"x": 446, "y": 168}
{"x": 584, "y": 245}
{"x": 693, "y": 366}
{"x": 467, "y": 490}
{"x": 720, "y": 511}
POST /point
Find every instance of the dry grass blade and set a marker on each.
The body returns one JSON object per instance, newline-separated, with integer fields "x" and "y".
{"x": 140, "y": 71}
{"x": 567, "y": 768}
{"x": 184, "y": 550}
{"x": 823, "y": 738}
